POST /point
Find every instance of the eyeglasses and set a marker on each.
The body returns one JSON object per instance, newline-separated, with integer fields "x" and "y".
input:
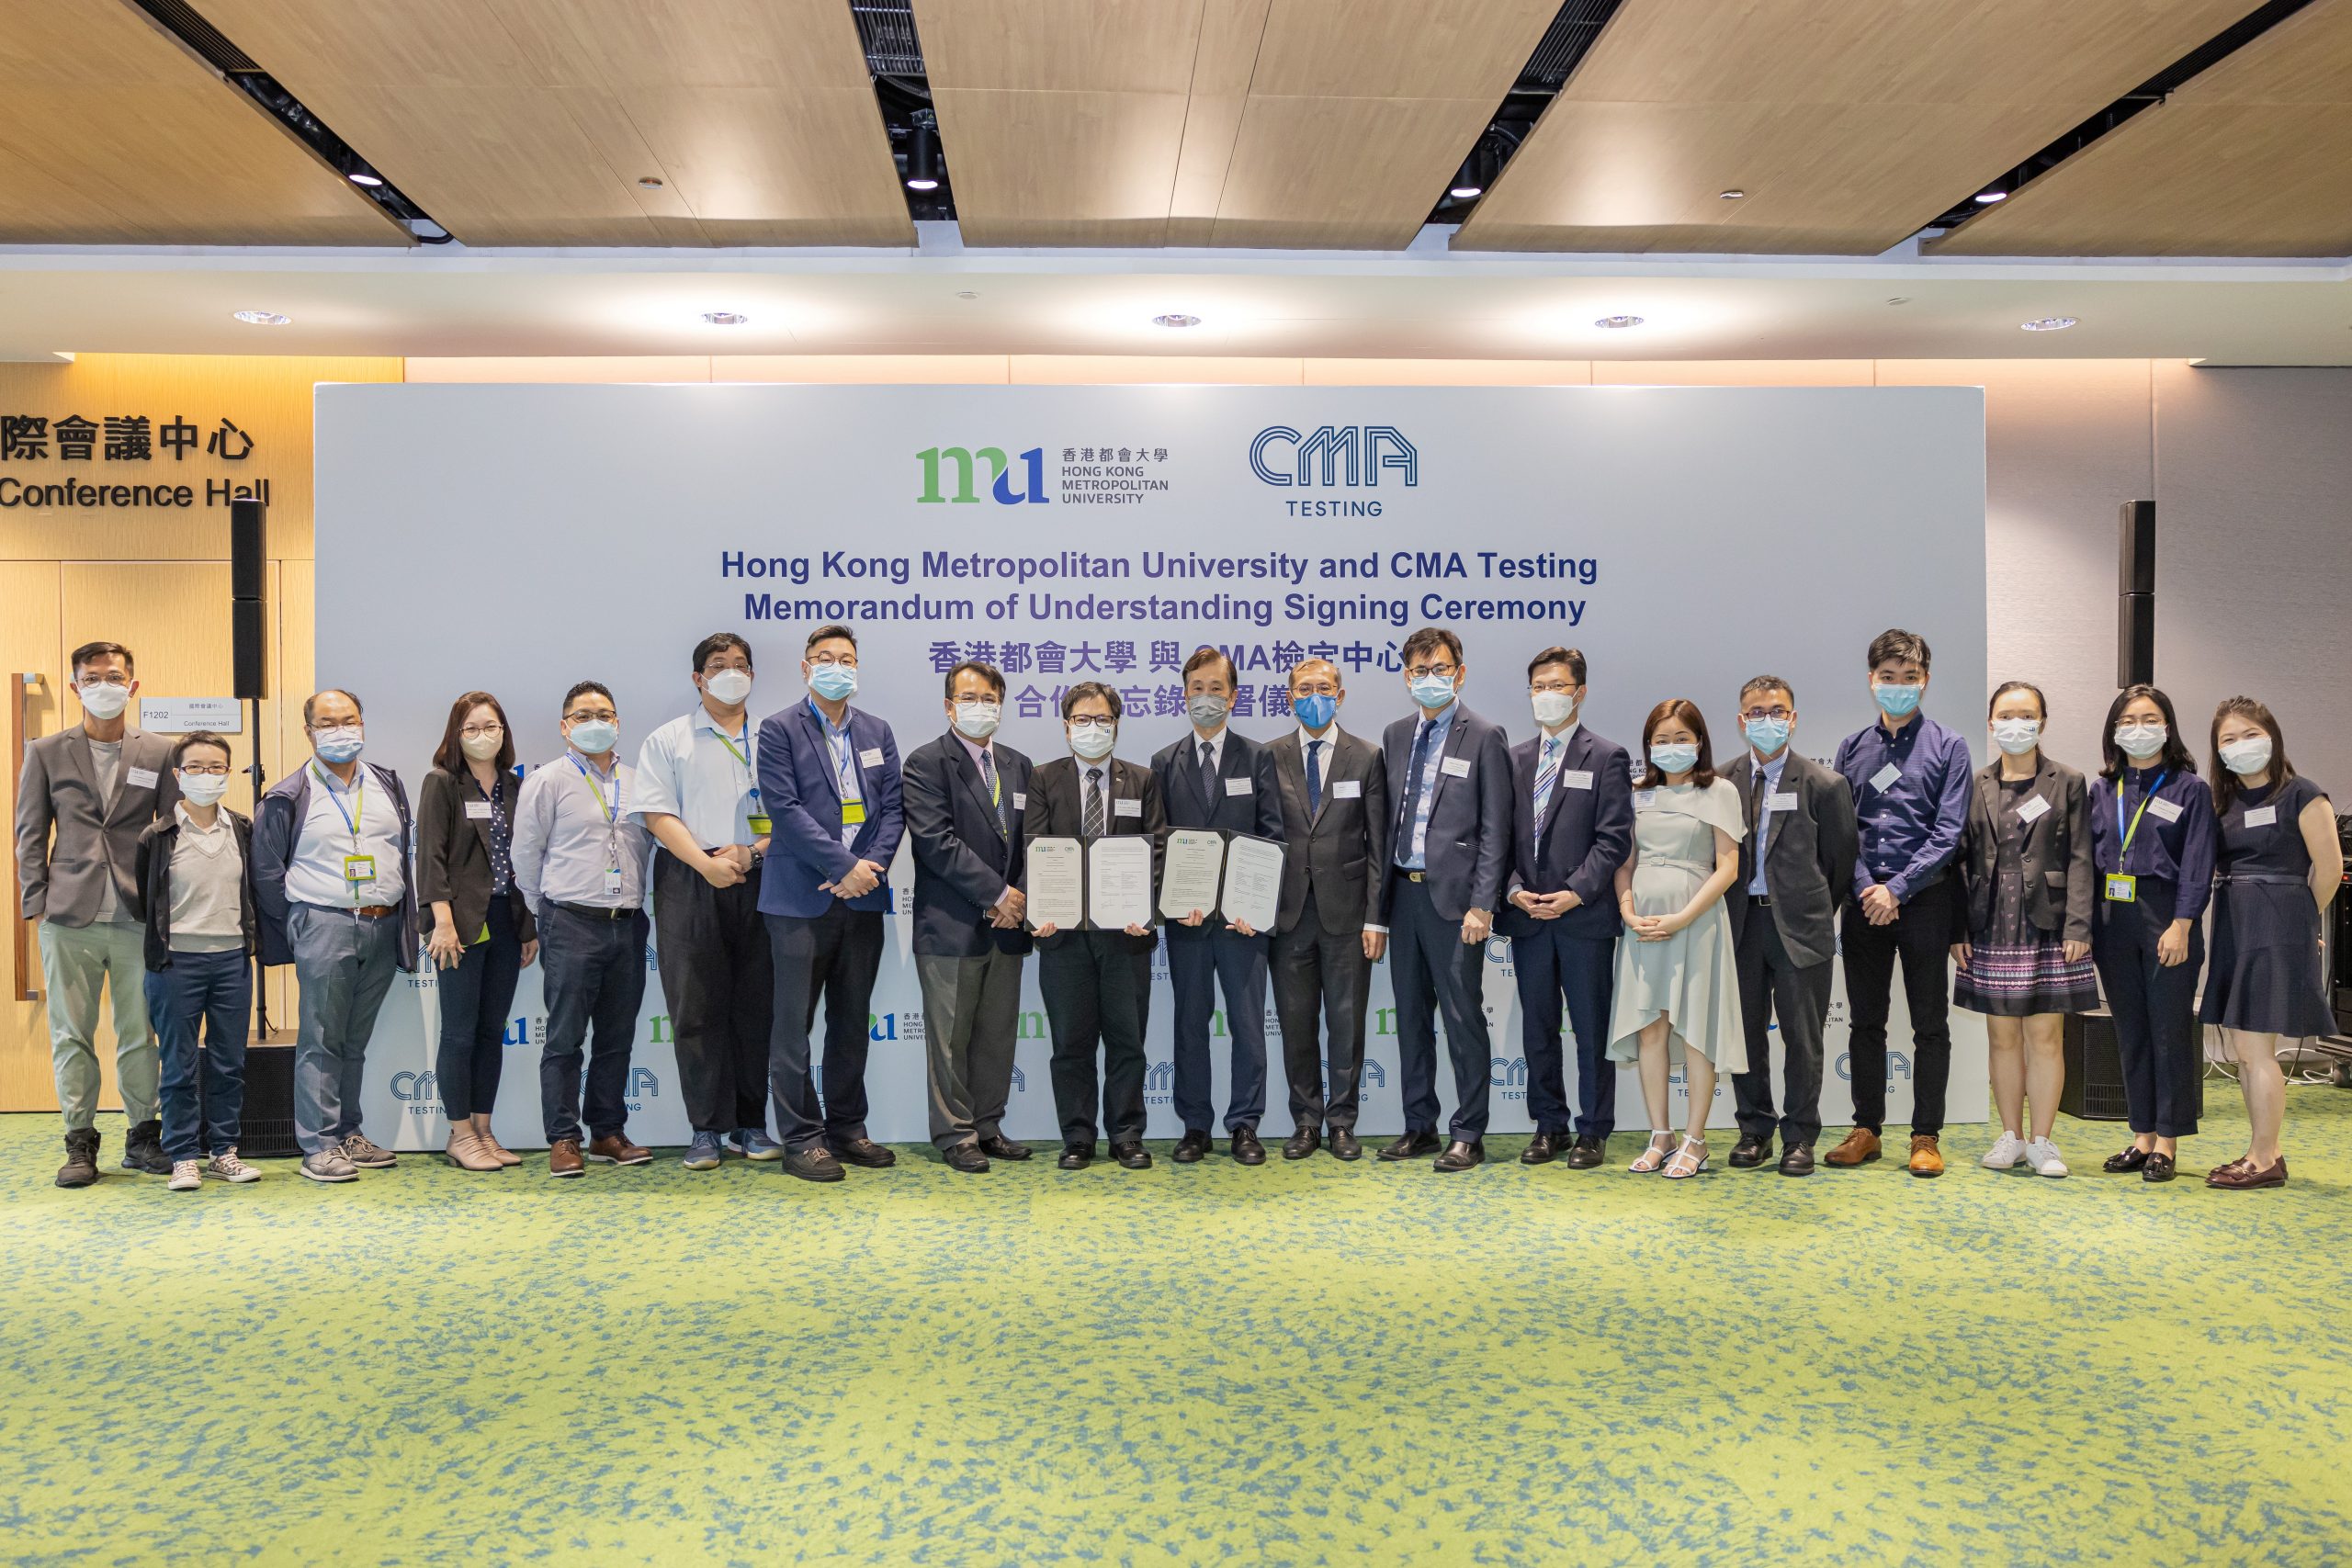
{"x": 214, "y": 769}
{"x": 1753, "y": 713}
{"x": 583, "y": 715}
{"x": 1090, "y": 721}
{"x": 112, "y": 678}
{"x": 1566, "y": 687}
{"x": 846, "y": 661}
{"x": 1442, "y": 672}
{"x": 478, "y": 731}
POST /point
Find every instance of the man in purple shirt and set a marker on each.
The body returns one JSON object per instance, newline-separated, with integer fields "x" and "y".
{"x": 1911, "y": 780}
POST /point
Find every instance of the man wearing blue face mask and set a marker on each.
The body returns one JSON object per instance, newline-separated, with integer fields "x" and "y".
{"x": 1911, "y": 779}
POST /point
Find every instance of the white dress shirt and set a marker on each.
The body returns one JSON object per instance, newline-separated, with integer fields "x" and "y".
{"x": 362, "y": 820}
{"x": 574, "y": 826}
{"x": 705, "y": 776}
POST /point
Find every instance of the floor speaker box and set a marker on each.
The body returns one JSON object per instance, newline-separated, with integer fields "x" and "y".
{"x": 2094, "y": 1090}
{"x": 268, "y": 1122}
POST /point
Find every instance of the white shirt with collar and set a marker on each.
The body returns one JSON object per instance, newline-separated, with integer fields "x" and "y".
{"x": 695, "y": 770}
{"x": 314, "y": 872}
{"x": 565, "y": 843}
{"x": 1216, "y": 743}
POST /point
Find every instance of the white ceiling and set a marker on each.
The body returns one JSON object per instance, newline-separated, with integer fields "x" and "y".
{"x": 1426, "y": 303}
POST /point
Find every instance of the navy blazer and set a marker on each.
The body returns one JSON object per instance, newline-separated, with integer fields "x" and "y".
{"x": 804, "y": 806}
{"x": 1258, "y": 811}
{"x": 277, "y": 826}
{"x": 1468, "y": 847}
{"x": 1588, "y": 834}
{"x": 966, "y": 853}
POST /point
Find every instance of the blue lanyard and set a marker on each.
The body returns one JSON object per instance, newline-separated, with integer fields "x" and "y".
{"x": 837, "y": 742}
{"x": 357, "y": 812}
{"x": 2127, "y": 833}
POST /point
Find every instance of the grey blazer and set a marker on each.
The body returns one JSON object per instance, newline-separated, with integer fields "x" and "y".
{"x": 63, "y": 874}
{"x": 1343, "y": 848}
{"x": 1808, "y": 858}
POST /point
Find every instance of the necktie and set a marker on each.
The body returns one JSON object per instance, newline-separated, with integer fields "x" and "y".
{"x": 1412, "y": 804}
{"x": 996, "y": 795}
{"x": 1547, "y": 773}
{"x": 1208, "y": 775}
{"x": 1093, "y": 803}
{"x": 1756, "y": 797}
{"x": 1313, "y": 777}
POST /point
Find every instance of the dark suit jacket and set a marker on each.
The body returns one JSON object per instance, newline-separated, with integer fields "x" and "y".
{"x": 1808, "y": 855}
{"x": 1257, "y": 812}
{"x": 277, "y": 827}
{"x": 453, "y": 853}
{"x": 1588, "y": 834}
{"x": 1340, "y": 851}
{"x": 2060, "y": 881}
{"x": 1468, "y": 846}
{"x": 964, "y": 861}
{"x": 803, "y": 800}
{"x": 62, "y": 878}
{"x": 1056, "y": 811}
{"x": 157, "y": 845}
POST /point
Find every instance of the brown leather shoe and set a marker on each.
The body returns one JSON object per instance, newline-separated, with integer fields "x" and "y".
{"x": 564, "y": 1157}
{"x": 614, "y": 1148}
{"x": 1927, "y": 1157}
{"x": 2241, "y": 1175}
{"x": 1858, "y": 1147}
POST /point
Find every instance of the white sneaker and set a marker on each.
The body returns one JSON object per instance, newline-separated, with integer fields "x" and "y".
{"x": 2005, "y": 1153}
{"x": 187, "y": 1175}
{"x": 2042, "y": 1155}
{"x": 226, "y": 1166}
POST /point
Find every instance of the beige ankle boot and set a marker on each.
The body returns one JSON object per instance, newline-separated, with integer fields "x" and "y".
{"x": 489, "y": 1143}
{"x": 466, "y": 1151}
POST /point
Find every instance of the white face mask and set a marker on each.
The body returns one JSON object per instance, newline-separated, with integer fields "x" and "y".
{"x": 102, "y": 701}
{"x": 977, "y": 721}
{"x": 482, "y": 748}
{"x": 2017, "y": 736}
{"x": 728, "y": 686}
{"x": 2139, "y": 741}
{"x": 1094, "y": 742}
{"x": 1553, "y": 708}
{"x": 204, "y": 789}
{"x": 2248, "y": 757}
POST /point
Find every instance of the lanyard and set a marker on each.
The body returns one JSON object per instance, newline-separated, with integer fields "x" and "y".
{"x": 612, "y": 828}
{"x": 2128, "y": 832}
{"x": 838, "y": 744}
{"x": 357, "y": 813}
{"x": 743, "y": 756}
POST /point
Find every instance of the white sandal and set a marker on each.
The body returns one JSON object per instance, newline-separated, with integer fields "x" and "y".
{"x": 1651, "y": 1158}
{"x": 1677, "y": 1171}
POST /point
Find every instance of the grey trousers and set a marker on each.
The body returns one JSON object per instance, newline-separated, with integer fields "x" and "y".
{"x": 76, "y": 962}
{"x": 971, "y": 1013}
{"x": 345, "y": 963}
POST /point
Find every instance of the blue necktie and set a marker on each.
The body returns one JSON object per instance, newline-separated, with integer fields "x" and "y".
{"x": 1313, "y": 777}
{"x": 1413, "y": 791}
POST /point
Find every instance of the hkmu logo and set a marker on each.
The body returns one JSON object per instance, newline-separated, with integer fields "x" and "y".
{"x": 964, "y": 463}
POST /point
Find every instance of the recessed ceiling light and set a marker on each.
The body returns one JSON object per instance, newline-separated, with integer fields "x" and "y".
{"x": 1619, "y": 322}
{"x": 650, "y": 182}
{"x": 263, "y": 317}
{"x": 371, "y": 181}
{"x": 914, "y": 184}
{"x": 1989, "y": 197}
{"x": 2048, "y": 323}
{"x": 1730, "y": 194}
{"x": 968, "y": 294}
{"x": 1899, "y": 299}
{"x": 1464, "y": 193}
{"x": 1175, "y": 319}
{"x": 724, "y": 317}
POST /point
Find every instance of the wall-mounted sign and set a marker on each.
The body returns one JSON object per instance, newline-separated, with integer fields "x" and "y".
{"x": 125, "y": 451}
{"x": 177, "y": 715}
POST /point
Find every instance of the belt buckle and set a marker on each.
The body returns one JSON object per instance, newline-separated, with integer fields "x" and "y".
{"x": 1417, "y": 877}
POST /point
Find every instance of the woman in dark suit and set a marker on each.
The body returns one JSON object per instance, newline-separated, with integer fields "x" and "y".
{"x": 2025, "y": 869}
{"x": 482, "y": 936}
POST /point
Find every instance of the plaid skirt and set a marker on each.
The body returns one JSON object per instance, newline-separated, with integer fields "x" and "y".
{"x": 2019, "y": 979}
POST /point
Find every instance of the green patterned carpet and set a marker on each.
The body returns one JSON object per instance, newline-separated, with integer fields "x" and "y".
{"x": 1300, "y": 1364}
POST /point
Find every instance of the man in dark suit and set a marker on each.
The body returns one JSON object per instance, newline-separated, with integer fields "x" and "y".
{"x": 1572, "y": 827}
{"x": 1449, "y": 772}
{"x": 829, "y": 778}
{"x": 1334, "y": 843}
{"x": 965, "y": 798}
{"x": 1796, "y": 871}
{"x": 1216, "y": 779}
{"x": 1094, "y": 981}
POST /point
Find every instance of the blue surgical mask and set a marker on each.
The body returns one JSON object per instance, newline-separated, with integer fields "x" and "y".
{"x": 338, "y": 744}
{"x": 1896, "y": 702}
{"x": 834, "y": 682}
{"x": 1316, "y": 710}
{"x": 1674, "y": 759}
{"x": 1433, "y": 692}
{"x": 595, "y": 737}
{"x": 1767, "y": 735}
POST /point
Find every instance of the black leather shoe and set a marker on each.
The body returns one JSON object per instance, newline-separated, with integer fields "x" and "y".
{"x": 1412, "y": 1145}
{"x": 1075, "y": 1157}
{"x": 815, "y": 1162}
{"x": 1461, "y": 1153}
{"x": 1189, "y": 1148}
{"x": 142, "y": 1150}
{"x": 1301, "y": 1144}
{"x": 968, "y": 1158}
{"x": 1749, "y": 1153}
{"x": 2157, "y": 1169}
{"x": 863, "y": 1152}
{"x": 1133, "y": 1157}
{"x": 1587, "y": 1152}
{"x": 1001, "y": 1147}
{"x": 1344, "y": 1145}
{"x": 1543, "y": 1148}
{"x": 1246, "y": 1149}
{"x": 1796, "y": 1160}
{"x": 2129, "y": 1157}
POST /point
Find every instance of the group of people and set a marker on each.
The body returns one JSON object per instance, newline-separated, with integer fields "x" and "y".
{"x": 1669, "y": 907}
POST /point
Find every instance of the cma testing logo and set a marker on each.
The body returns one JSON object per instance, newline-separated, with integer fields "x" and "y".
{"x": 959, "y": 466}
{"x": 1349, "y": 455}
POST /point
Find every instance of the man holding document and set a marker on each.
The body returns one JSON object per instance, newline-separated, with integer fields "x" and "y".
{"x": 1215, "y": 782}
{"x": 1092, "y": 843}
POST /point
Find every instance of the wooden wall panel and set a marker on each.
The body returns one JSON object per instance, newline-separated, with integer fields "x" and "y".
{"x": 28, "y": 641}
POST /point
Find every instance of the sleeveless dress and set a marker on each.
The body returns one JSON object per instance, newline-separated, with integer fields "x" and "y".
{"x": 2265, "y": 973}
{"x": 1693, "y": 977}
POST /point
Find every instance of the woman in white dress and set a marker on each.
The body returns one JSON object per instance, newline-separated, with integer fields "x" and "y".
{"x": 1678, "y": 983}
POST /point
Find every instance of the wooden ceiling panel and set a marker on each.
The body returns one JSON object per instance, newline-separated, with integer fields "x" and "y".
{"x": 1849, "y": 126}
{"x": 2251, "y": 158}
{"x": 1347, "y": 173}
{"x": 111, "y": 133}
{"x": 530, "y": 122}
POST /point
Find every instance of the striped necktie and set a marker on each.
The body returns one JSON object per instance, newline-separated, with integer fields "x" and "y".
{"x": 1547, "y": 773}
{"x": 1094, "y": 828}
{"x": 996, "y": 794}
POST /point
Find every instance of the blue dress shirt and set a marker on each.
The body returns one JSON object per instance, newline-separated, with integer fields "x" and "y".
{"x": 2180, "y": 852}
{"x": 1413, "y": 843}
{"x": 1911, "y": 828}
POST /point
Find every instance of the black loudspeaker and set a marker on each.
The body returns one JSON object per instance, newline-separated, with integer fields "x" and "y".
{"x": 249, "y": 634}
{"x": 268, "y": 1121}
{"x": 2135, "y": 618}
{"x": 248, "y": 550}
{"x": 2094, "y": 1090}
{"x": 248, "y": 600}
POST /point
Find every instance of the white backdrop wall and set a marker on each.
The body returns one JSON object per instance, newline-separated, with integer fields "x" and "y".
{"x": 1684, "y": 537}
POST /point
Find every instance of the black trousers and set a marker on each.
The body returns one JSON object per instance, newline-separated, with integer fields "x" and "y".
{"x": 474, "y": 1000}
{"x": 1316, "y": 972}
{"x": 1920, "y": 939}
{"x": 2155, "y": 1009}
{"x": 1093, "y": 987}
{"x": 1552, "y": 969}
{"x": 1774, "y": 987}
{"x": 1438, "y": 975}
{"x": 719, "y": 978}
{"x": 833, "y": 958}
{"x": 595, "y": 976}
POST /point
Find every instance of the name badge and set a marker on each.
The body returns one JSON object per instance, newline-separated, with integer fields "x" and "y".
{"x": 2164, "y": 811}
{"x": 1577, "y": 778}
{"x": 760, "y": 826}
{"x": 2123, "y": 889}
{"x": 1643, "y": 799}
{"x": 1883, "y": 779}
{"x": 1347, "y": 789}
{"x": 1238, "y": 786}
{"x": 1455, "y": 767}
{"x": 853, "y": 813}
{"x": 477, "y": 811}
{"x": 613, "y": 881}
{"x": 2033, "y": 810}
{"x": 358, "y": 868}
{"x": 870, "y": 758}
{"x": 1782, "y": 800}
{"x": 139, "y": 778}
{"x": 1127, "y": 809}
{"x": 2267, "y": 817}
{"x": 1020, "y": 801}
